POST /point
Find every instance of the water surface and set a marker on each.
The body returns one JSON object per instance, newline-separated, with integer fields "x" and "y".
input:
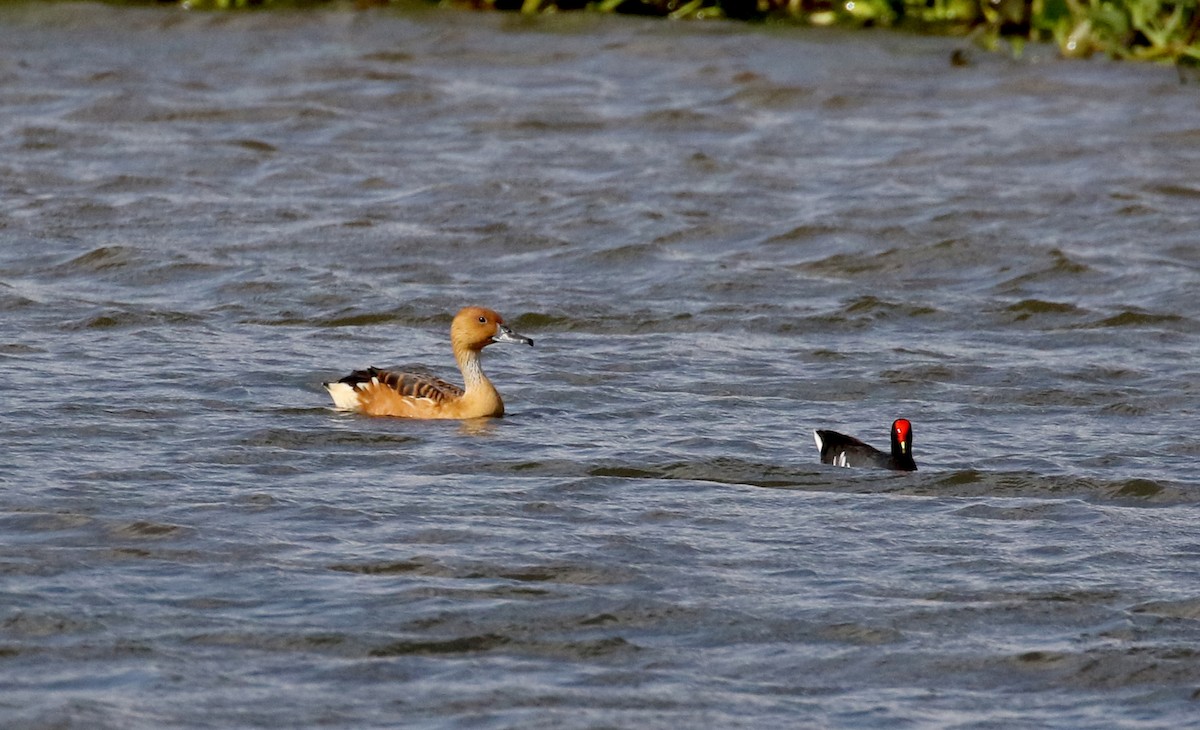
{"x": 721, "y": 236}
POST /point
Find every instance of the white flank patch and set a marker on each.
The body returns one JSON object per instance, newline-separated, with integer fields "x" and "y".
{"x": 344, "y": 396}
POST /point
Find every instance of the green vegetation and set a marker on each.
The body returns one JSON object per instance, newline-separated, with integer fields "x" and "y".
{"x": 1152, "y": 30}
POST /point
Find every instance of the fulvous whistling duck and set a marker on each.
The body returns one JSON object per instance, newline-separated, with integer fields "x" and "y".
{"x": 842, "y": 450}
{"x": 376, "y": 392}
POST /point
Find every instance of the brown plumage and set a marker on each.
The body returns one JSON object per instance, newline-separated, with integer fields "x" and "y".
{"x": 378, "y": 392}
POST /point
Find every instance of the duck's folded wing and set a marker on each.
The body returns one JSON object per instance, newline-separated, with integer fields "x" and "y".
{"x": 410, "y": 385}
{"x": 362, "y": 386}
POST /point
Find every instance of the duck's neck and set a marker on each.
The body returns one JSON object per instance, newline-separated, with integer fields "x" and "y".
{"x": 472, "y": 371}
{"x": 480, "y": 397}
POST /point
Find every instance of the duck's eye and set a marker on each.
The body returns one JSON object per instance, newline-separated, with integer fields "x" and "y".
{"x": 483, "y": 320}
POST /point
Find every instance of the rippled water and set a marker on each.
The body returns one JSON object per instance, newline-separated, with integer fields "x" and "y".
{"x": 721, "y": 236}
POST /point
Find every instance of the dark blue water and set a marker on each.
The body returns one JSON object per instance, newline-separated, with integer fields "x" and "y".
{"x": 721, "y": 237}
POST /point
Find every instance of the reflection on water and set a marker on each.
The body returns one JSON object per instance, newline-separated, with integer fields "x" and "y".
{"x": 477, "y": 426}
{"x": 722, "y": 237}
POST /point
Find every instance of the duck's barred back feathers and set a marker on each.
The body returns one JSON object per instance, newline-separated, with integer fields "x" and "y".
{"x": 411, "y": 385}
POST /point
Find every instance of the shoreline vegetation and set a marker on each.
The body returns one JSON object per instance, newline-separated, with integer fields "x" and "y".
{"x": 1162, "y": 31}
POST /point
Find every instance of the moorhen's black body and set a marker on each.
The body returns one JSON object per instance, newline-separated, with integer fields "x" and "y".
{"x": 842, "y": 450}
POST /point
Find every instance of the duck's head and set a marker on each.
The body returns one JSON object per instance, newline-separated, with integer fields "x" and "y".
{"x": 474, "y": 328}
